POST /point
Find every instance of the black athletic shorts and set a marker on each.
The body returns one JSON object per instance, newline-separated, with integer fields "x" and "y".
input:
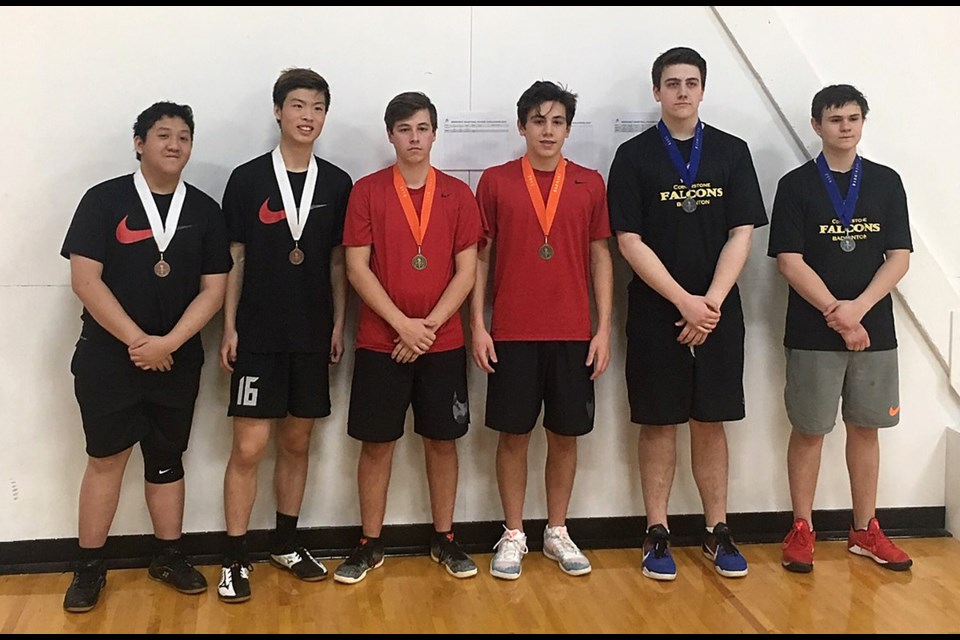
{"x": 435, "y": 384}
{"x": 121, "y": 405}
{"x": 534, "y": 375}
{"x": 272, "y": 385}
{"x": 670, "y": 383}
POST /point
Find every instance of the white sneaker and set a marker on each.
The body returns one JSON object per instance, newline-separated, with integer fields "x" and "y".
{"x": 510, "y": 550}
{"x": 558, "y": 546}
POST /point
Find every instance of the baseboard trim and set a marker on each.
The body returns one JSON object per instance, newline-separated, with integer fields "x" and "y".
{"x": 622, "y": 532}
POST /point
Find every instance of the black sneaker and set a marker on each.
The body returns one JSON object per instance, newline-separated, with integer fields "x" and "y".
{"x": 234, "y": 584}
{"x": 445, "y": 550}
{"x": 300, "y": 563}
{"x": 88, "y": 580}
{"x": 173, "y": 568}
{"x": 368, "y": 555}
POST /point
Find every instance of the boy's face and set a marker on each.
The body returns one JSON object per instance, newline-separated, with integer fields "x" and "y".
{"x": 302, "y": 116}
{"x": 841, "y": 127}
{"x": 680, "y": 92}
{"x": 413, "y": 137}
{"x": 167, "y": 147}
{"x": 546, "y": 130}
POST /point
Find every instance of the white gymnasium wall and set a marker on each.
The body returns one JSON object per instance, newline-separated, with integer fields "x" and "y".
{"x": 76, "y": 79}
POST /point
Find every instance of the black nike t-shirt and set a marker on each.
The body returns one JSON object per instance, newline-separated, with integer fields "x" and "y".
{"x": 645, "y": 196}
{"x": 111, "y": 227}
{"x": 804, "y": 222}
{"x": 285, "y": 307}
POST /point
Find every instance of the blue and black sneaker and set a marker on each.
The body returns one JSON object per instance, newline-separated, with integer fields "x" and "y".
{"x": 657, "y": 561}
{"x": 721, "y": 549}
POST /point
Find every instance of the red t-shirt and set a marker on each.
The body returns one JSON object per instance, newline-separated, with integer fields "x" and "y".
{"x": 375, "y": 218}
{"x": 536, "y": 299}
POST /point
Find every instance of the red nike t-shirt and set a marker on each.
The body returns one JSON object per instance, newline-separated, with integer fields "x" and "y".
{"x": 375, "y": 218}
{"x": 536, "y": 299}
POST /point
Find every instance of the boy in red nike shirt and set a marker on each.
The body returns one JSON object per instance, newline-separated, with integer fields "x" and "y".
{"x": 411, "y": 236}
{"x": 546, "y": 220}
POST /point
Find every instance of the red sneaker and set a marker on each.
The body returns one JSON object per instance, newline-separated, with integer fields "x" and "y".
{"x": 873, "y": 543}
{"x": 798, "y": 548}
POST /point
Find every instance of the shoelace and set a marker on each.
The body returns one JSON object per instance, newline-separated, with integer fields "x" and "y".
{"x": 88, "y": 579}
{"x": 726, "y": 545}
{"x": 451, "y": 550}
{"x": 878, "y": 540}
{"x": 178, "y": 563}
{"x": 660, "y": 548}
{"x": 567, "y": 547}
{"x": 798, "y": 534}
{"x": 513, "y": 549}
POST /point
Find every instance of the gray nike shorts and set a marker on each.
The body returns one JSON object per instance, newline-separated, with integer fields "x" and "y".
{"x": 867, "y": 381}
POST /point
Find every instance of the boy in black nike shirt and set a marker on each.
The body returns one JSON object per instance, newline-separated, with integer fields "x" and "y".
{"x": 148, "y": 259}
{"x": 283, "y": 320}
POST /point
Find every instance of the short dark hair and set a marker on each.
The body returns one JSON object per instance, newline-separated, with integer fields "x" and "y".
{"x": 299, "y": 78}
{"x": 544, "y": 91}
{"x": 837, "y": 95}
{"x": 149, "y": 116}
{"x": 678, "y": 55}
{"x": 404, "y": 105}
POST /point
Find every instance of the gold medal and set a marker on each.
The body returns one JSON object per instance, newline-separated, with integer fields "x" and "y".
{"x": 296, "y": 256}
{"x": 162, "y": 268}
{"x": 419, "y": 262}
{"x": 546, "y": 251}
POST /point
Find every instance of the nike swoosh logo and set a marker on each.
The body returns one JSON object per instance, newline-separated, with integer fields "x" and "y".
{"x": 893, "y": 411}
{"x": 163, "y": 471}
{"x": 318, "y": 206}
{"x": 579, "y": 181}
{"x": 269, "y": 216}
{"x": 126, "y": 235}
{"x": 444, "y": 195}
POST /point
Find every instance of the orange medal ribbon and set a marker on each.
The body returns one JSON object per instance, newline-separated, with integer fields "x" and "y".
{"x": 418, "y": 226}
{"x": 545, "y": 213}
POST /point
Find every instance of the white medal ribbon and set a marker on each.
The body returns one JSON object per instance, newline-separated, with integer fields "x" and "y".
{"x": 162, "y": 233}
{"x": 296, "y": 220}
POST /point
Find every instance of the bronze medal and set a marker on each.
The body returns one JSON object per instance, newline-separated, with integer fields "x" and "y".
{"x": 546, "y": 251}
{"x": 419, "y": 262}
{"x": 296, "y": 256}
{"x": 162, "y": 268}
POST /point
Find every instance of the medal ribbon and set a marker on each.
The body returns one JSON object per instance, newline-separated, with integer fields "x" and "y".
{"x": 296, "y": 219}
{"x": 162, "y": 233}
{"x": 418, "y": 226}
{"x": 687, "y": 170}
{"x": 545, "y": 213}
{"x": 843, "y": 208}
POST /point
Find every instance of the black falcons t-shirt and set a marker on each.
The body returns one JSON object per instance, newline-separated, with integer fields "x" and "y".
{"x": 804, "y": 222}
{"x": 645, "y": 195}
{"x": 285, "y": 307}
{"x": 111, "y": 227}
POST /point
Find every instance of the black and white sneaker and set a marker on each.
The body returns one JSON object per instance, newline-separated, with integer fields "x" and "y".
{"x": 300, "y": 563}
{"x": 234, "y": 584}
{"x": 366, "y": 556}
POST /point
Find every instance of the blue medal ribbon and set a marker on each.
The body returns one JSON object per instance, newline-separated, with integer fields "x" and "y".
{"x": 843, "y": 208}
{"x": 687, "y": 170}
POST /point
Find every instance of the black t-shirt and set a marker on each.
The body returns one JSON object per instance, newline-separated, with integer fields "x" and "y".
{"x": 111, "y": 227}
{"x": 285, "y": 307}
{"x": 804, "y": 222}
{"x": 645, "y": 195}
